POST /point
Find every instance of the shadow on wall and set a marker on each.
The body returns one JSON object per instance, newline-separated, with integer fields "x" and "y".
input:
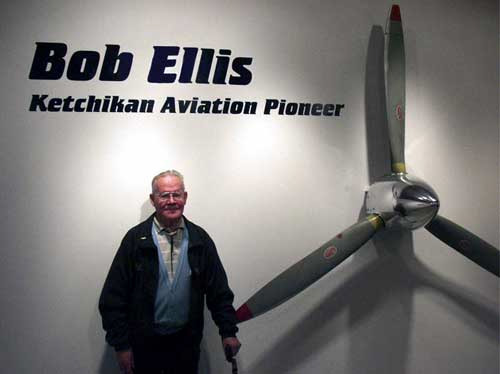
{"x": 108, "y": 362}
{"x": 146, "y": 210}
{"x": 210, "y": 346}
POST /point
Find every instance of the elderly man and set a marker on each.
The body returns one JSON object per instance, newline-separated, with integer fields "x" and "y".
{"x": 153, "y": 298}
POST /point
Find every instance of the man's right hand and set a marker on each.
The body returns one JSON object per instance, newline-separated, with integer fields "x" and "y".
{"x": 125, "y": 361}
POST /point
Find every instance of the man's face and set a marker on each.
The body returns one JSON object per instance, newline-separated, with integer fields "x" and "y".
{"x": 168, "y": 198}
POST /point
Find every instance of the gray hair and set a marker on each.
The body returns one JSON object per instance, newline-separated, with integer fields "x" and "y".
{"x": 172, "y": 173}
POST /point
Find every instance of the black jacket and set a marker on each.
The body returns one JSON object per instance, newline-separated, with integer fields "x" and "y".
{"x": 128, "y": 296}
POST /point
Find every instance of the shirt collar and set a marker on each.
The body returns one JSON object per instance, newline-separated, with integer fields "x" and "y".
{"x": 162, "y": 230}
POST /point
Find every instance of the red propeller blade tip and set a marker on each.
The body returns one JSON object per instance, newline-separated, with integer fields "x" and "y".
{"x": 395, "y": 13}
{"x": 244, "y": 313}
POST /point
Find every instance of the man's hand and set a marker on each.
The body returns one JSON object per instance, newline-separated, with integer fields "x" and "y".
{"x": 125, "y": 361}
{"x": 231, "y": 344}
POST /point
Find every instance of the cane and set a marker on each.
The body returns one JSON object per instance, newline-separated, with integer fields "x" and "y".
{"x": 229, "y": 357}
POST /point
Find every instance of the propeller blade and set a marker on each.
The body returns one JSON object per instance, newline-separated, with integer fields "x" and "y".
{"x": 465, "y": 242}
{"x": 312, "y": 267}
{"x": 395, "y": 89}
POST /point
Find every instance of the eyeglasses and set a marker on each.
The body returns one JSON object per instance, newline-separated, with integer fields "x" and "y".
{"x": 176, "y": 195}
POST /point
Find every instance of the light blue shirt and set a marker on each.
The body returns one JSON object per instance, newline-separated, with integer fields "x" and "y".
{"x": 173, "y": 295}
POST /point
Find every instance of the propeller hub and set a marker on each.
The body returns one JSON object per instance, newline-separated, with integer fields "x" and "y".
{"x": 402, "y": 201}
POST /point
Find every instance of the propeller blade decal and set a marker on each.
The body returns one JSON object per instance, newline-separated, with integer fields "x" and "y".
{"x": 395, "y": 89}
{"x": 312, "y": 267}
{"x": 465, "y": 242}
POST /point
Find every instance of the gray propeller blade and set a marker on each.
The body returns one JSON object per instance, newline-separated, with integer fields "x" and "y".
{"x": 465, "y": 242}
{"x": 395, "y": 89}
{"x": 312, "y": 267}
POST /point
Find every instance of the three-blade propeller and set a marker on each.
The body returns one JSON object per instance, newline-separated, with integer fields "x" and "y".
{"x": 394, "y": 200}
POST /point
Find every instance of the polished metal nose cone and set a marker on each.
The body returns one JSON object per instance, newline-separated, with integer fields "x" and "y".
{"x": 417, "y": 206}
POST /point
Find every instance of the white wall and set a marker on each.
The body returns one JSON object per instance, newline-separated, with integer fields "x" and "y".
{"x": 269, "y": 189}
